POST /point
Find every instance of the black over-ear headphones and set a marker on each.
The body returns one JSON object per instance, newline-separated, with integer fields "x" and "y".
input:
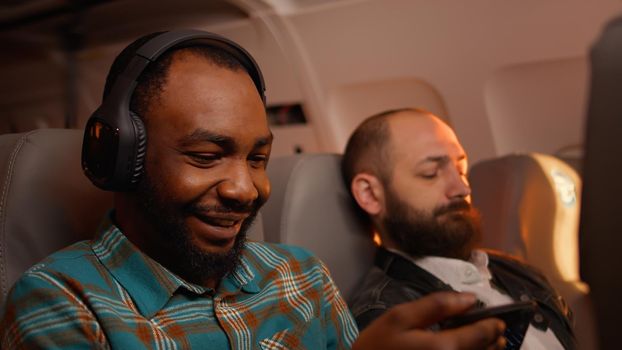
{"x": 115, "y": 140}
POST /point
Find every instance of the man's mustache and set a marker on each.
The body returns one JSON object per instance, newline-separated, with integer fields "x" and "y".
{"x": 458, "y": 205}
{"x": 226, "y": 208}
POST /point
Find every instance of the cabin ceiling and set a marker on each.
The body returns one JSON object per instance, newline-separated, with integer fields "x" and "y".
{"x": 32, "y": 29}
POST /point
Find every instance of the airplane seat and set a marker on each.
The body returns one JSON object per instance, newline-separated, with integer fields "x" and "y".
{"x": 47, "y": 202}
{"x": 530, "y": 206}
{"x": 311, "y": 207}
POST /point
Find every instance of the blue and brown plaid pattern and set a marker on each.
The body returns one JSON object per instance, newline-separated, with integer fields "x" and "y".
{"x": 107, "y": 294}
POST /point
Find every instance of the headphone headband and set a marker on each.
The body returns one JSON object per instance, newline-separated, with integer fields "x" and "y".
{"x": 114, "y": 143}
{"x": 150, "y": 51}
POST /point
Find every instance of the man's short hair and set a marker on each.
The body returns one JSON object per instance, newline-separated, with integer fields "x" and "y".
{"x": 152, "y": 80}
{"x": 367, "y": 148}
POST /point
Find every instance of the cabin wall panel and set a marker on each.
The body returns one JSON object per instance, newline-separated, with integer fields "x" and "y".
{"x": 348, "y": 103}
{"x": 538, "y": 107}
{"x": 455, "y": 46}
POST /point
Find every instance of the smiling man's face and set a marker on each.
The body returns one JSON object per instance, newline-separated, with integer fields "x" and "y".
{"x": 207, "y": 150}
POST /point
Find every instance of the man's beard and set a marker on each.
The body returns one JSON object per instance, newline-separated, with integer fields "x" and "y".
{"x": 191, "y": 262}
{"x": 451, "y": 231}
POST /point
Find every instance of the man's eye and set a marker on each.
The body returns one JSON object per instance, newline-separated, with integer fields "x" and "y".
{"x": 429, "y": 175}
{"x": 258, "y": 160}
{"x": 204, "y": 158}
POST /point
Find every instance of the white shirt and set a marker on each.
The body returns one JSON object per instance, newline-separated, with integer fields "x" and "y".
{"x": 474, "y": 276}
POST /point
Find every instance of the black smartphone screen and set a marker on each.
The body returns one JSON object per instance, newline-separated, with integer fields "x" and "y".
{"x": 516, "y": 317}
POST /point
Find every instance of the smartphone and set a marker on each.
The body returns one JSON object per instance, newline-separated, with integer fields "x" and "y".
{"x": 516, "y": 317}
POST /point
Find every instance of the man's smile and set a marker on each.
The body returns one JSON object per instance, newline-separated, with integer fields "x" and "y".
{"x": 223, "y": 220}
{"x": 217, "y": 227}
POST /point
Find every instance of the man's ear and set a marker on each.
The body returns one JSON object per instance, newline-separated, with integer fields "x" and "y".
{"x": 368, "y": 192}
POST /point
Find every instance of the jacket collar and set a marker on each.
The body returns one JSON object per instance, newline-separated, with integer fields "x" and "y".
{"x": 407, "y": 272}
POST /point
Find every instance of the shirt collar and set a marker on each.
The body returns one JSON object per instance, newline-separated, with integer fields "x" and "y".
{"x": 243, "y": 278}
{"x": 453, "y": 271}
{"x": 149, "y": 284}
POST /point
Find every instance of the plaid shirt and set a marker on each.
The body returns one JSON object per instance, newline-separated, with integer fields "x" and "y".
{"x": 106, "y": 293}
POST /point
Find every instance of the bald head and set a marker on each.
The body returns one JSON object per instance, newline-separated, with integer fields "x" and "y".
{"x": 369, "y": 149}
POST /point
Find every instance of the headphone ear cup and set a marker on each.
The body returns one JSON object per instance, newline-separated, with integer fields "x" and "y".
{"x": 141, "y": 148}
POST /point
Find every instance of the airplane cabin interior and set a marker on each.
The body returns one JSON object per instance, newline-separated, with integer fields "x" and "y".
{"x": 532, "y": 89}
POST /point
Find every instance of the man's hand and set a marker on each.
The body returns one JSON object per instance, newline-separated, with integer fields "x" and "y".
{"x": 405, "y": 326}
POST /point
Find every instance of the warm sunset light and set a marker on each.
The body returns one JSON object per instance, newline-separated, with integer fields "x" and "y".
{"x": 567, "y": 185}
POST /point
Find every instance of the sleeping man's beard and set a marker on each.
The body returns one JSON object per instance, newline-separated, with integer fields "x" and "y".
{"x": 190, "y": 261}
{"x": 451, "y": 231}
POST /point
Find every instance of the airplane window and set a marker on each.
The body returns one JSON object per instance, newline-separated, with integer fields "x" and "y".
{"x": 286, "y": 114}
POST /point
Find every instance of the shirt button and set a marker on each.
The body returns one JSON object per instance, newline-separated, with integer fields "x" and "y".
{"x": 538, "y": 318}
{"x": 524, "y": 297}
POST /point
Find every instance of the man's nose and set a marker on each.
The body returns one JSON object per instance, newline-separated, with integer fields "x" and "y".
{"x": 458, "y": 186}
{"x": 238, "y": 186}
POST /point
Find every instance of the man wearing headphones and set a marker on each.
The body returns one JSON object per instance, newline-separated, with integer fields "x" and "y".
{"x": 182, "y": 139}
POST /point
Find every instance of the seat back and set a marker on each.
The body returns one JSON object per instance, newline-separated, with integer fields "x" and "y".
{"x": 310, "y": 207}
{"x": 46, "y": 201}
{"x": 530, "y": 205}
{"x": 530, "y": 208}
{"x": 601, "y": 261}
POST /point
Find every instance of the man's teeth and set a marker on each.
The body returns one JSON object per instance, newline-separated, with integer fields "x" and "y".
{"x": 222, "y": 222}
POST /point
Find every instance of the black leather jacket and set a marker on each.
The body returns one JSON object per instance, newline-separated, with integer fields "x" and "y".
{"x": 394, "y": 280}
